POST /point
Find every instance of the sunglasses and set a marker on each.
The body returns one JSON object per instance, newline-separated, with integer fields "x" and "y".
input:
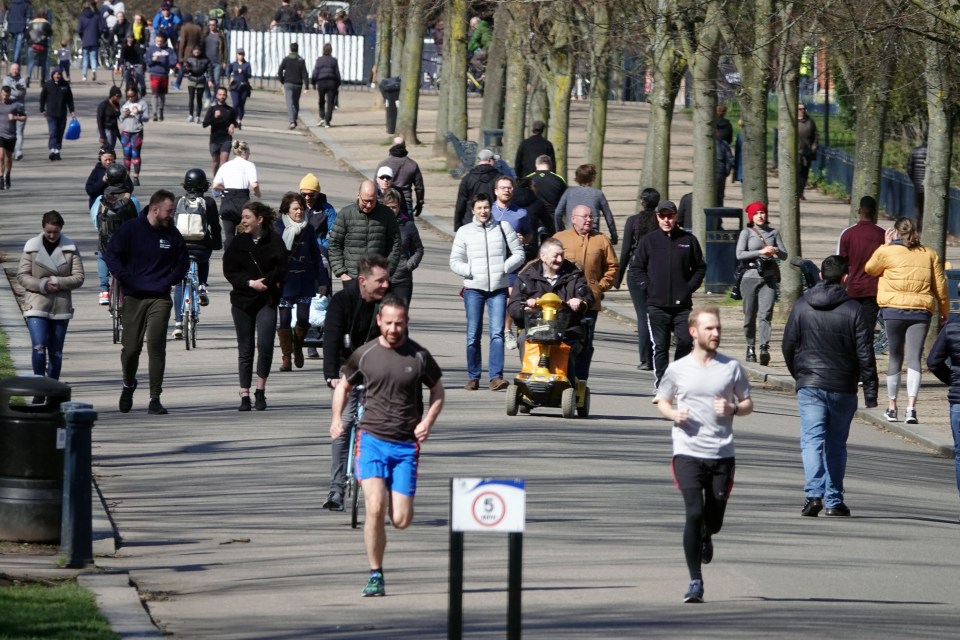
{"x": 666, "y": 215}
{"x": 385, "y": 177}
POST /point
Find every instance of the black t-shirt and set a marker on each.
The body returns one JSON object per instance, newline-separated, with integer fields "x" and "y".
{"x": 394, "y": 400}
{"x": 220, "y": 125}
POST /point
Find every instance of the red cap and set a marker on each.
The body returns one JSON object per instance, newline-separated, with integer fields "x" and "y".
{"x": 753, "y": 208}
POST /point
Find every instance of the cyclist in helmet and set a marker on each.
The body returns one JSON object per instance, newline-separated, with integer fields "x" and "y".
{"x": 195, "y": 202}
{"x": 114, "y": 206}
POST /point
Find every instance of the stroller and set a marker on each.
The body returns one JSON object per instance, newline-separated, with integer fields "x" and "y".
{"x": 546, "y": 379}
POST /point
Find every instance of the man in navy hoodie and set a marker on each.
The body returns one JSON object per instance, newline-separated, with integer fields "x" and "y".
{"x": 147, "y": 256}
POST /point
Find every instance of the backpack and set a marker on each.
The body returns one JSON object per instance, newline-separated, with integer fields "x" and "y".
{"x": 190, "y": 218}
{"x": 112, "y": 214}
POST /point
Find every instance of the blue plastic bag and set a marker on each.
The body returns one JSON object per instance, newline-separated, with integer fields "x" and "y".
{"x": 73, "y": 130}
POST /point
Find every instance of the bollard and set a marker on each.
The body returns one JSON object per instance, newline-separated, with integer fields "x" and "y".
{"x": 76, "y": 534}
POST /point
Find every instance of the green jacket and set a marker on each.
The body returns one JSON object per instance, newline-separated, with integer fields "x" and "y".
{"x": 480, "y": 39}
{"x": 355, "y": 234}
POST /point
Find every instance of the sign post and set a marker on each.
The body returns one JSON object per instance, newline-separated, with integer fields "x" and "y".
{"x": 486, "y": 505}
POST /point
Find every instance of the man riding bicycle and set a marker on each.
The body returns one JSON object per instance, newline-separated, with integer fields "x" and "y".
{"x": 194, "y": 202}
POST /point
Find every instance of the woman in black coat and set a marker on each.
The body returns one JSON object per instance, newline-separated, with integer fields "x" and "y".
{"x": 411, "y": 247}
{"x": 255, "y": 264}
{"x": 306, "y": 276}
{"x": 326, "y": 80}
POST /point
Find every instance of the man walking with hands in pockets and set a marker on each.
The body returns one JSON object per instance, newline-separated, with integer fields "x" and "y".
{"x": 392, "y": 428}
{"x": 710, "y": 388}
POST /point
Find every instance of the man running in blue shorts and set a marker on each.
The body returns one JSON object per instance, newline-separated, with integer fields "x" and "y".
{"x": 710, "y": 388}
{"x": 392, "y": 428}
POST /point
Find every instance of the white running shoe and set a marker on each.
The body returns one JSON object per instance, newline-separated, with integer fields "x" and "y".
{"x": 178, "y": 331}
{"x": 509, "y": 340}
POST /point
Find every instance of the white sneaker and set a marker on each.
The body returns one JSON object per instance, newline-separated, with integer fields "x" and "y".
{"x": 189, "y": 118}
{"x": 509, "y": 340}
{"x": 911, "y": 415}
{"x": 178, "y": 331}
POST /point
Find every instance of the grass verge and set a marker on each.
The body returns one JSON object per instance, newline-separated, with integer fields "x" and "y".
{"x": 49, "y": 610}
{"x": 6, "y": 363}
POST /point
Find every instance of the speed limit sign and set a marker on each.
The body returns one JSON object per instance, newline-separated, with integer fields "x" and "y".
{"x": 488, "y": 504}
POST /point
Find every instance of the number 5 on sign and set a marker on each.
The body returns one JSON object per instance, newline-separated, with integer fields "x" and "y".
{"x": 488, "y": 504}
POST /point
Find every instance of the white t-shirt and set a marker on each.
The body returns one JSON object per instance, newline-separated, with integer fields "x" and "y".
{"x": 238, "y": 173}
{"x": 695, "y": 387}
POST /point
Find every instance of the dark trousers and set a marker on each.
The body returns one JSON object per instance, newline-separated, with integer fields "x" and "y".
{"x": 195, "y": 96}
{"x": 229, "y": 228}
{"x": 340, "y": 447}
{"x": 803, "y": 174}
{"x": 663, "y": 321}
{"x": 639, "y": 298}
{"x": 583, "y": 359}
{"x": 145, "y": 319}
{"x": 239, "y": 98}
{"x": 56, "y": 127}
{"x": 327, "y": 96}
{"x": 255, "y": 329}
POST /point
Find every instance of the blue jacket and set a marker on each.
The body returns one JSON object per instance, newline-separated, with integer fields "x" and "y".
{"x": 147, "y": 261}
{"x": 160, "y": 60}
{"x": 305, "y": 270}
{"x": 944, "y": 359}
{"x": 88, "y": 28}
{"x": 18, "y": 15}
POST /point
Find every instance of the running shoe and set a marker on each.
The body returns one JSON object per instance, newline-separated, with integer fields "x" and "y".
{"x": 911, "y": 415}
{"x": 178, "y": 331}
{"x": 706, "y": 550}
{"x": 375, "y": 586}
{"x": 695, "y": 592}
{"x": 202, "y": 295}
{"x": 890, "y": 415}
{"x": 509, "y": 340}
{"x": 104, "y": 298}
{"x": 189, "y": 118}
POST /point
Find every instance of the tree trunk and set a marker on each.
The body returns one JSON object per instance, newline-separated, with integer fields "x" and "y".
{"x": 384, "y": 40}
{"x": 412, "y": 66}
{"x": 539, "y": 105}
{"x": 557, "y": 57}
{"x": 400, "y": 20}
{"x": 443, "y": 91}
{"x": 667, "y": 67}
{"x": 515, "y": 99}
{"x": 755, "y": 74}
{"x": 491, "y": 117}
{"x": 941, "y": 99}
{"x": 787, "y": 162}
{"x": 598, "y": 35}
{"x": 703, "y": 58}
{"x": 871, "y": 99}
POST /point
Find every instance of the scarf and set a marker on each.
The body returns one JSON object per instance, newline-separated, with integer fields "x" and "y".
{"x": 291, "y": 230}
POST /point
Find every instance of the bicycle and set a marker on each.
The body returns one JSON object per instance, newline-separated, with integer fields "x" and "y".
{"x": 187, "y": 292}
{"x": 353, "y": 485}
{"x": 116, "y": 309}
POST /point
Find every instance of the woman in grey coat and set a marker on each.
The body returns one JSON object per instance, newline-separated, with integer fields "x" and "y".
{"x": 759, "y": 245}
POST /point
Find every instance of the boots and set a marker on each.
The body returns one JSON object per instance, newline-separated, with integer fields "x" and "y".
{"x": 764, "y": 354}
{"x": 299, "y": 333}
{"x": 751, "y": 354}
{"x": 286, "y": 347}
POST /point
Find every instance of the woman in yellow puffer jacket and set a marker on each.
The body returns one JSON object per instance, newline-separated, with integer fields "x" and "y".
{"x": 911, "y": 288}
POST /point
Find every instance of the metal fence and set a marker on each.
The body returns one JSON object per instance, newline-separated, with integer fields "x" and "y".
{"x": 896, "y": 188}
{"x": 266, "y": 50}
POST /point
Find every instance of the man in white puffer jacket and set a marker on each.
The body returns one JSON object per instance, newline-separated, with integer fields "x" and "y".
{"x": 484, "y": 253}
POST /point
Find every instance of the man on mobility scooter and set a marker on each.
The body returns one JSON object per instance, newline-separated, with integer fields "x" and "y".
{"x": 549, "y": 301}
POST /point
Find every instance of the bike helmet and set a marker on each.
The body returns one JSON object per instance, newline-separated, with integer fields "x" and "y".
{"x": 116, "y": 175}
{"x": 195, "y": 181}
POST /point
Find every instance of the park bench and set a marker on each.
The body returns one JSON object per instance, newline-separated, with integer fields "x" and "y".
{"x": 466, "y": 153}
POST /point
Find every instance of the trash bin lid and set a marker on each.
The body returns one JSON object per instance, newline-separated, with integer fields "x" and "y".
{"x": 29, "y": 386}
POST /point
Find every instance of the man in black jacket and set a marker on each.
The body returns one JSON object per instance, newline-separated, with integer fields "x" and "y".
{"x": 944, "y": 362}
{"x": 295, "y": 80}
{"x": 481, "y": 179}
{"x": 828, "y": 348}
{"x": 531, "y": 149}
{"x": 351, "y": 321}
{"x": 669, "y": 265}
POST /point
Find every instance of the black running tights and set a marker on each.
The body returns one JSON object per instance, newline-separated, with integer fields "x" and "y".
{"x": 704, "y": 515}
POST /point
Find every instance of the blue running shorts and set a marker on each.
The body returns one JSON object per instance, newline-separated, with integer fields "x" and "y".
{"x": 395, "y": 462}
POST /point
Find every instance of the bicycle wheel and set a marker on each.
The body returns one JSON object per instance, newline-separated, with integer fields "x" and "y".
{"x": 116, "y": 311}
{"x": 187, "y": 322}
{"x": 194, "y": 320}
{"x": 355, "y": 503}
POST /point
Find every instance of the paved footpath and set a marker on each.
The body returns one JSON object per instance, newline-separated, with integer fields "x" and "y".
{"x": 218, "y": 512}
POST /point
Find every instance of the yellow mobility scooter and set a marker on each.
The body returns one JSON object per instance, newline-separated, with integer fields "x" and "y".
{"x": 546, "y": 379}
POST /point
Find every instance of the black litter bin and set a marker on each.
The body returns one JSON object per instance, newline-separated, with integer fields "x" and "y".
{"x": 953, "y": 290}
{"x": 723, "y": 231}
{"x": 31, "y": 465}
{"x": 390, "y": 90}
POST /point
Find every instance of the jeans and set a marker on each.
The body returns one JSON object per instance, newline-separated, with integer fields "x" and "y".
{"x": 102, "y": 272}
{"x": 216, "y": 72}
{"x": 255, "y": 326}
{"x": 47, "y": 337}
{"x": 145, "y": 319}
{"x": 88, "y": 60}
{"x": 639, "y": 298}
{"x": 292, "y": 94}
{"x": 202, "y": 256}
{"x": 955, "y": 427}
{"x": 56, "y": 127}
{"x": 37, "y": 59}
{"x": 663, "y": 320}
{"x": 18, "y": 43}
{"x": 340, "y": 447}
{"x": 18, "y": 150}
{"x": 825, "y": 418}
{"x": 474, "y": 301}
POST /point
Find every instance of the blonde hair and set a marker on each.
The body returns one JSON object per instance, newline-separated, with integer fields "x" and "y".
{"x": 694, "y": 318}
{"x": 240, "y": 147}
